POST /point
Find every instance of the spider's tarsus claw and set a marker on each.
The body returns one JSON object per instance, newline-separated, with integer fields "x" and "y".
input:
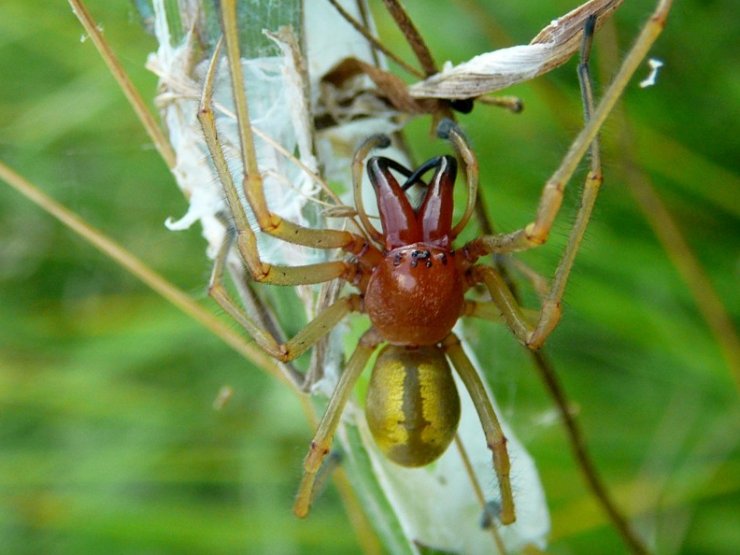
{"x": 382, "y": 141}
{"x": 379, "y": 140}
{"x": 590, "y": 25}
{"x": 445, "y": 126}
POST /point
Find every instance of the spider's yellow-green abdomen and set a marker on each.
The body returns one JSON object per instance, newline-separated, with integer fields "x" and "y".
{"x": 412, "y": 404}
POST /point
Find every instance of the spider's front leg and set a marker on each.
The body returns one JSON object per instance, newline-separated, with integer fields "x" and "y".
{"x": 268, "y": 221}
{"x": 536, "y": 233}
{"x": 549, "y": 315}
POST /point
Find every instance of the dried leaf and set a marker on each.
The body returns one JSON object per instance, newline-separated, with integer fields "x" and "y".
{"x": 496, "y": 70}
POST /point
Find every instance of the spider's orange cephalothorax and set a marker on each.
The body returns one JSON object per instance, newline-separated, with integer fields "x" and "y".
{"x": 414, "y": 297}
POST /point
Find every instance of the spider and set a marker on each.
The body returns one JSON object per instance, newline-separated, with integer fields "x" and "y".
{"x": 411, "y": 284}
{"x": 411, "y": 280}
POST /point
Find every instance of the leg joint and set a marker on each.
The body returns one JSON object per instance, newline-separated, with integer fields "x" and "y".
{"x": 536, "y": 235}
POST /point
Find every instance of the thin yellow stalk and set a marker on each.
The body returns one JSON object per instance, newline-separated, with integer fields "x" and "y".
{"x": 139, "y": 269}
{"x": 134, "y": 98}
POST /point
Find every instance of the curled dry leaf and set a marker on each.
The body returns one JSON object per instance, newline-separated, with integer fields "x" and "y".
{"x": 496, "y": 70}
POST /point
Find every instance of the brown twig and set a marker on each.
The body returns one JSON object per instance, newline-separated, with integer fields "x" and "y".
{"x": 374, "y": 42}
{"x": 413, "y": 37}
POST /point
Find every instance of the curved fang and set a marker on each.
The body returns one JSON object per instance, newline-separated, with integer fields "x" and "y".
{"x": 435, "y": 213}
{"x": 396, "y": 214}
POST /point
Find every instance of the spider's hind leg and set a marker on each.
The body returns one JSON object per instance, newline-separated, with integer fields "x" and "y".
{"x": 322, "y": 440}
{"x": 489, "y": 421}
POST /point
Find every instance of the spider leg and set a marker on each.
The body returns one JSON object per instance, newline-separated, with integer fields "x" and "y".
{"x": 489, "y": 310}
{"x": 302, "y": 341}
{"x": 447, "y": 129}
{"x": 502, "y": 296}
{"x": 486, "y": 310}
{"x": 536, "y": 232}
{"x": 321, "y": 443}
{"x": 268, "y": 221}
{"x": 375, "y": 141}
{"x": 491, "y": 426}
{"x": 550, "y": 310}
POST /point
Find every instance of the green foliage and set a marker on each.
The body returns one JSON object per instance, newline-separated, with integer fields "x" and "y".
{"x": 110, "y": 442}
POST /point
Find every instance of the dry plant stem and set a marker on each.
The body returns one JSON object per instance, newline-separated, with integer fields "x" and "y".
{"x": 670, "y": 236}
{"x": 137, "y": 268}
{"x": 478, "y": 492}
{"x": 669, "y": 233}
{"x": 379, "y": 46}
{"x": 578, "y": 445}
{"x": 137, "y": 102}
{"x": 539, "y": 283}
{"x": 591, "y": 189}
{"x": 491, "y": 426}
{"x": 369, "y": 542}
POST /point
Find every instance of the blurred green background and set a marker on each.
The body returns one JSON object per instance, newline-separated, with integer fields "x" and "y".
{"x": 108, "y": 439}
